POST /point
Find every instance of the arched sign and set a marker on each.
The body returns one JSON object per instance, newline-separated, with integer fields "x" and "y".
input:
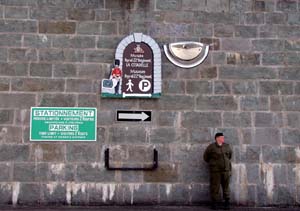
{"x": 137, "y": 69}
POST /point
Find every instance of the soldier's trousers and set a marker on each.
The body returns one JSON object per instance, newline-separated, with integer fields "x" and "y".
{"x": 218, "y": 179}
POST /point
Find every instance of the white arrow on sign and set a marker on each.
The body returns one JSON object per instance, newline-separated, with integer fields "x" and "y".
{"x": 134, "y": 116}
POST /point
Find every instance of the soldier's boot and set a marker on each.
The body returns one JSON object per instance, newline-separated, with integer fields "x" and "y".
{"x": 227, "y": 204}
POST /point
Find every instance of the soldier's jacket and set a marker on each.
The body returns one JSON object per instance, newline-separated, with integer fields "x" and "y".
{"x": 218, "y": 157}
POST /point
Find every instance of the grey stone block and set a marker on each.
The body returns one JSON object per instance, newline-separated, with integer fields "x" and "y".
{"x": 268, "y": 120}
{"x": 10, "y": 40}
{"x": 231, "y": 119}
{"x": 20, "y": 26}
{"x": 94, "y": 173}
{"x": 174, "y": 87}
{"x": 108, "y": 42}
{"x": 88, "y": 28}
{"x": 252, "y": 103}
{"x": 284, "y": 195}
{"x": 100, "y": 193}
{"x": 10, "y": 134}
{"x": 165, "y": 118}
{"x": 222, "y": 87}
{"x": 193, "y": 4}
{"x": 223, "y": 30}
{"x": 199, "y": 174}
{"x": 251, "y": 155}
{"x": 62, "y": 100}
{"x": 195, "y": 120}
{"x": 268, "y": 31}
{"x": 175, "y": 193}
{"x": 109, "y": 28}
{"x": 226, "y": 103}
{"x": 51, "y": 55}
{"x": 286, "y": 31}
{"x": 3, "y": 54}
{"x": 87, "y": 100}
{"x": 29, "y": 194}
{"x": 219, "y": 58}
{"x": 81, "y": 15}
{"x": 48, "y": 13}
{"x": 170, "y": 102}
{"x": 74, "y": 42}
{"x": 272, "y": 154}
{"x": 286, "y": 6}
{"x": 92, "y": 4}
{"x": 38, "y": 85}
{"x": 81, "y": 153}
{"x": 64, "y": 70}
{"x": 245, "y": 87}
{"x": 37, "y": 41}
{"x": 4, "y": 84}
{"x": 200, "y": 135}
{"x": 46, "y": 152}
{"x": 293, "y": 120}
{"x": 268, "y": 45}
{"x": 198, "y": 87}
{"x": 168, "y": 5}
{"x": 217, "y": 17}
{"x": 14, "y": 152}
{"x": 79, "y": 85}
{"x": 24, "y": 172}
{"x": 17, "y": 100}
{"x": 203, "y": 30}
{"x": 276, "y": 18}
{"x": 6, "y": 193}
{"x": 243, "y": 58}
{"x": 16, "y": 12}
{"x": 163, "y": 135}
{"x": 41, "y": 172}
{"x": 99, "y": 56}
{"x": 241, "y": 5}
{"x": 5, "y": 173}
{"x": 127, "y": 135}
{"x": 253, "y": 173}
{"x": 6, "y": 116}
{"x": 280, "y": 174}
{"x": 165, "y": 173}
{"x": 237, "y": 44}
{"x": 273, "y": 58}
{"x": 291, "y": 137}
{"x": 40, "y": 69}
{"x": 291, "y": 103}
{"x": 254, "y": 18}
{"x": 26, "y": 55}
{"x": 13, "y": 69}
{"x": 217, "y": 6}
{"x": 246, "y": 73}
{"x": 246, "y": 31}
{"x": 53, "y": 193}
{"x": 102, "y": 15}
{"x": 293, "y": 18}
{"x": 267, "y": 136}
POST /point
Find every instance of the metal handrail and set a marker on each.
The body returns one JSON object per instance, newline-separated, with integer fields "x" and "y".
{"x": 151, "y": 168}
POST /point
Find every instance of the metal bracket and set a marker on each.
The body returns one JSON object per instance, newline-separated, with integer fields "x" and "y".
{"x": 153, "y": 167}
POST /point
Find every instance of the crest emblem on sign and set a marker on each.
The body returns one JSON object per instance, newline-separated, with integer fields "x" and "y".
{"x": 186, "y": 54}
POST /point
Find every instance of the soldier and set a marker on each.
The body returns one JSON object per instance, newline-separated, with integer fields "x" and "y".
{"x": 218, "y": 156}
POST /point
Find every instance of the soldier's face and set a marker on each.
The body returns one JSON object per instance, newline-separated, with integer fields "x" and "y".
{"x": 220, "y": 139}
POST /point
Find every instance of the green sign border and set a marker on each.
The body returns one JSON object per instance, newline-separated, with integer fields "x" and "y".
{"x": 50, "y": 140}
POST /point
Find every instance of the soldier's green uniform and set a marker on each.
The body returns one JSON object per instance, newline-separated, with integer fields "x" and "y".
{"x": 218, "y": 157}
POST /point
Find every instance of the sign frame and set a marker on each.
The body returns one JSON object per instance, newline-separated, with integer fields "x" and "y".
{"x": 62, "y": 108}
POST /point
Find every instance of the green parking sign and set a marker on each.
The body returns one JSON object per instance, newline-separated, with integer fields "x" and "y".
{"x": 63, "y": 124}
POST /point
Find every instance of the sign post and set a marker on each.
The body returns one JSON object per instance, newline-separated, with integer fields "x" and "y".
{"x": 63, "y": 124}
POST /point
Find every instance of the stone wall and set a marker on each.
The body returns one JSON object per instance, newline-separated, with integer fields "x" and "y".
{"x": 56, "y": 52}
